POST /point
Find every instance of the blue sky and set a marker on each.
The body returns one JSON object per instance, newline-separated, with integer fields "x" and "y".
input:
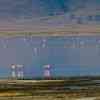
{"x": 25, "y": 15}
{"x": 67, "y": 56}
{"x": 38, "y": 8}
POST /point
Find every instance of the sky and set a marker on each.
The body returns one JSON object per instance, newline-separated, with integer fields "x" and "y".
{"x": 38, "y": 8}
{"x": 20, "y": 15}
{"x": 67, "y": 56}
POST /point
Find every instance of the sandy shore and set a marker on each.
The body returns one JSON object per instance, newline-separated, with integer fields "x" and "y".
{"x": 47, "y": 98}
